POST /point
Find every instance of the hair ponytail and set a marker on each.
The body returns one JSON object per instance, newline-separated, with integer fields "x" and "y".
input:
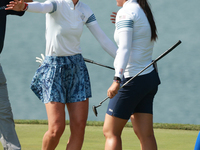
{"x": 145, "y": 6}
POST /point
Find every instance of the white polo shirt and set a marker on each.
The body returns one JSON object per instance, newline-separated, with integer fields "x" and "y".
{"x": 64, "y": 27}
{"x": 133, "y": 37}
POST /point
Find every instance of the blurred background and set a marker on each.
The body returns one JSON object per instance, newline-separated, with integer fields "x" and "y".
{"x": 178, "y": 97}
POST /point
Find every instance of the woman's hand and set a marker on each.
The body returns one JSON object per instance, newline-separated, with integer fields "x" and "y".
{"x": 113, "y": 90}
{"x": 16, "y": 5}
{"x": 113, "y": 17}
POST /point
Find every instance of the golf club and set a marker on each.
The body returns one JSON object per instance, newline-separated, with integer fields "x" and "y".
{"x": 154, "y": 61}
{"x": 91, "y": 61}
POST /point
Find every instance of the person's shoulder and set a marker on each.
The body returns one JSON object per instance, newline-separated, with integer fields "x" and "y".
{"x": 84, "y": 8}
{"x": 83, "y": 5}
{"x": 130, "y": 9}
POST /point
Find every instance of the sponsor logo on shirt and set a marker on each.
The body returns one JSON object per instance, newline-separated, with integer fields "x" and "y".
{"x": 122, "y": 17}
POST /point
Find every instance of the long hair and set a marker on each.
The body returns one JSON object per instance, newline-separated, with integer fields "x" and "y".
{"x": 147, "y": 10}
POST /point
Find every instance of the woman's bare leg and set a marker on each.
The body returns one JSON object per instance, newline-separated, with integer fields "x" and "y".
{"x": 112, "y": 130}
{"x": 78, "y": 113}
{"x": 143, "y": 127}
{"x": 56, "y": 125}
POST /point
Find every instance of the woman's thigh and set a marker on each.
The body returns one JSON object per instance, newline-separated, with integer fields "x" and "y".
{"x": 142, "y": 123}
{"x": 55, "y": 114}
{"x": 78, "y": 112}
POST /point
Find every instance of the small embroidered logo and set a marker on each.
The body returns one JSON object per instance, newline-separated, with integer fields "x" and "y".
{"x": 82, "y": 16}
{"x": 122, "y": 17}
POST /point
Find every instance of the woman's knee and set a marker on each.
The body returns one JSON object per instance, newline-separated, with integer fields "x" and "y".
{"x": 109, "y": 133}
{"x": 56, "y": 131}
{"x": 142, "y": 134}
{"x": 78, "y": 125}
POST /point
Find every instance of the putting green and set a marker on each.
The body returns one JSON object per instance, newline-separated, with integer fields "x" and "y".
{"x": 31, "y": 135}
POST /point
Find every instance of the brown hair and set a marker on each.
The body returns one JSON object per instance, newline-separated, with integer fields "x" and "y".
{"x": 147, "y": 10}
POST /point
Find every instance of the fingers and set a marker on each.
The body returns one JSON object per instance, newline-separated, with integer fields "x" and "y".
{"x": 113, "y": 20}
{"x": 37, "y": 58}
{"x": 42, "y": 55}
{"x": 39, "y": 61}
{"x": 113, "y": 17}
{"x": 113, "y": 90}
{"x": 115, "y": 13}
{"x": 111, "y": 94}
{"x": 15, "y": 5}
{"x": 10, "y": 5}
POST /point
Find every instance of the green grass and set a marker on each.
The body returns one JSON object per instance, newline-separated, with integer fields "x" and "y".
{"x": 100, "y": 123}
{"x": 181, "y": 137}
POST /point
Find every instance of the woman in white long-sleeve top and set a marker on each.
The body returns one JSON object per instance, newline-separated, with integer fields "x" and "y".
{"x": 63, "y": 78}
{"x": 135, "y": 35}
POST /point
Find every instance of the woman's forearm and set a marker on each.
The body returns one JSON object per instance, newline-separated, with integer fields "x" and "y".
{"x": 38, "y": 7}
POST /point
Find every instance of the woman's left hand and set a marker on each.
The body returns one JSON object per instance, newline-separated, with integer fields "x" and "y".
{"x": 16, "y": 5}
{"x": 113, "y": 90}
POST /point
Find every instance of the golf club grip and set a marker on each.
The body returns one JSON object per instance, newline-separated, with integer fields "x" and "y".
{"x": 91, "y": 61}
{"x": 158, "y": 58}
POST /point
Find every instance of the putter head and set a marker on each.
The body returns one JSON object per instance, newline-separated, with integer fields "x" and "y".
{"x": 94, "y": 108}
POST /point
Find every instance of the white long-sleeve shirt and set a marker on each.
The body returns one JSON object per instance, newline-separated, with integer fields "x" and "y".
{"x": 133, "y": 37}
{"x": 64, "y": 26}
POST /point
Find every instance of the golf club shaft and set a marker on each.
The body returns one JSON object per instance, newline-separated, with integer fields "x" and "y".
{"x": 154, "y": 61}
{"x": 91, "y": 61}
{"x": 158, "y": 58}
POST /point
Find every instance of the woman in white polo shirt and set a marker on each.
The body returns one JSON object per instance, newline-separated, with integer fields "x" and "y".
{"x": 63, "y": 79}
{"x": 135, "y": 35}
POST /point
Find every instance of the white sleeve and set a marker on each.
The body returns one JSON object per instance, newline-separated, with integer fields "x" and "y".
{"x": 104, "y": 41}
{"x": 46, "y": 7}
{"x": 123, "y": 52}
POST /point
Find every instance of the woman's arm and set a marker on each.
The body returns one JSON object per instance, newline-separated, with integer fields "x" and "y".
{"x": 121, "y": 60}
{"x": 123, "y": 52}
{"x": 104, "y": 41}
{"x": 36, "y": 7}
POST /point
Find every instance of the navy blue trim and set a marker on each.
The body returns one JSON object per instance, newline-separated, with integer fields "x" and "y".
{"x": 91, "y": 18}
{"x": 54, "y": 6}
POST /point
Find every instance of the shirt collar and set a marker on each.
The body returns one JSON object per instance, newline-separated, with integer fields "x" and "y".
{"x": 71, "y": 4}
{"x": 129, "y": 1}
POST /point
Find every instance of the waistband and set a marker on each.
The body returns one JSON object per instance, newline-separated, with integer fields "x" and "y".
{"x": 58, "y": 60}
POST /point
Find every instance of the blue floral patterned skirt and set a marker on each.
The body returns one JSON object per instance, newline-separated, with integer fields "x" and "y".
{"x": 62, "y": 79}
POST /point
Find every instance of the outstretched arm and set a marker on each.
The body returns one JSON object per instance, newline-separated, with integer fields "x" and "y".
{"x": 104, "y": 41}
{"x": 35, "y": 7}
